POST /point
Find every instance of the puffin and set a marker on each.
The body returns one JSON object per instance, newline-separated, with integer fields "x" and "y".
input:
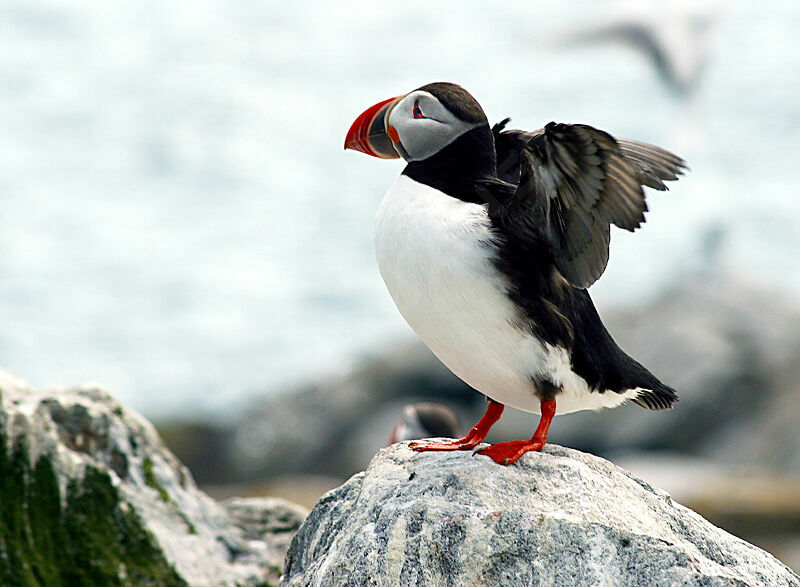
{"x": 425, "y": 420}
{"x": 488, "y": 242}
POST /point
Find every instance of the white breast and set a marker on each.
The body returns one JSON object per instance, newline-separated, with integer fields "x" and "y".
{"x": 435, "y": 254}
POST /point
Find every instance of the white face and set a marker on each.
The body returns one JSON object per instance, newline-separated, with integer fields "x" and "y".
{"x": 424, "y": 125}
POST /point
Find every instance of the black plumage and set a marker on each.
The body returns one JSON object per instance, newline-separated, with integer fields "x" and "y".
{"x": 571, "y": 182}
{"x": 552, "y": 196}
{"x": 574, "y": 181}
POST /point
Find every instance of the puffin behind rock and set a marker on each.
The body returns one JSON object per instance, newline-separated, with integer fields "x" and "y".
{"x": 488, "y": 241}
{"x": 425, "y": 420}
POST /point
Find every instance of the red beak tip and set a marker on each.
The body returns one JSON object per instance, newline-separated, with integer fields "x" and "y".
{"x": 365, "y": 136}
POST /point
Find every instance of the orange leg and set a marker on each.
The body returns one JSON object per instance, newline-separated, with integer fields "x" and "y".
{"x": 506, "y": 453}
{"x": 473, "y": 438}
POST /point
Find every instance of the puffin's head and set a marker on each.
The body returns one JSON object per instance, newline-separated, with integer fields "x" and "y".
{"x": 416, "y": 125}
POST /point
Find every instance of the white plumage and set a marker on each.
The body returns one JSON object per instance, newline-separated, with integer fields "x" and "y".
{"x": 435, "y": 254}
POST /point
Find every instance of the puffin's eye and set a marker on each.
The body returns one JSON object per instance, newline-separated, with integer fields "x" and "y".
{"x": 418, "y": 112}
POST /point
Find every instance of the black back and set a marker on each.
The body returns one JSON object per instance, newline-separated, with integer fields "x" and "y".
{"x": 549, "y": 307}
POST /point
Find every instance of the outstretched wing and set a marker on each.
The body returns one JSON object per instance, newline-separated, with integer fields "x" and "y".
{"x": 573, "y": 182}
{"x": 653, "y": 165}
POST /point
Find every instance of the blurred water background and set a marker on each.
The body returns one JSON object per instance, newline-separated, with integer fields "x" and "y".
{"x": 180, "y": 222}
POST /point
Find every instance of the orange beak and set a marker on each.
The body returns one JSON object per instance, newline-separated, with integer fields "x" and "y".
{"x": 369, "y": 134}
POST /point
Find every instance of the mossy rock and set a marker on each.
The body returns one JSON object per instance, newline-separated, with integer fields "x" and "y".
{"x": 87, "y": 537}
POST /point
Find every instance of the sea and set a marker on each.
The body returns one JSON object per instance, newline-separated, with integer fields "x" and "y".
{"x": 180, "y": 222}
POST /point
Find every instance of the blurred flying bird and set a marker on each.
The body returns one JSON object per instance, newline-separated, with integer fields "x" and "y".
{"x": 674, "y": 36}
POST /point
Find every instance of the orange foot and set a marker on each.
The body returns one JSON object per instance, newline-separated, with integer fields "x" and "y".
{"x": 473, "y": 438}
{"x": 506, "y": 453}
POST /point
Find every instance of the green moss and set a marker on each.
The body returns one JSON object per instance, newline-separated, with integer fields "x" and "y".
{"x": 189, "y": 526}
{"x": 89, "y": 538}
{"x": 151, "y": 481}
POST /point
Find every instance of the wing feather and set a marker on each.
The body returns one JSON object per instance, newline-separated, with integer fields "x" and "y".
{"x": 574, "y": 182}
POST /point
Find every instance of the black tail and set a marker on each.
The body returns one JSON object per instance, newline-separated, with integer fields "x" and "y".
{"x": 605, "y": 366}
{"x": 660, "y": 397}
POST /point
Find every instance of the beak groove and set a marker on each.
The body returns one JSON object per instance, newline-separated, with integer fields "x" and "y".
{"x": 368, "y": 132}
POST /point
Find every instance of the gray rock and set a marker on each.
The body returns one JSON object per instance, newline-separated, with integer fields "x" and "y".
{"x": 268, "y": 525}
{"x": 559, "y": 517}
{"x": 82, "y": 472}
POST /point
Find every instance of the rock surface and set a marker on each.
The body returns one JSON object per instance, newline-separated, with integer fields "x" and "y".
{"x": 560, "y": 517}
{"x": 90, "y": 495}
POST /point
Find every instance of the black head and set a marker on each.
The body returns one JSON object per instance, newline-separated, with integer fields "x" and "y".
{"x": 457, "y": 100}
{"x": 428, "y": 119}
{"x": 439, "y": 128}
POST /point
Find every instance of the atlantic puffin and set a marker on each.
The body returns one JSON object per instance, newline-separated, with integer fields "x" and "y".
{"x": 488, "y": 242}
{"x": 425, "y": 420}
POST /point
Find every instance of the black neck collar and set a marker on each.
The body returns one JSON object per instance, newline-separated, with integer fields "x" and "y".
{"x": 457, "y": 169}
